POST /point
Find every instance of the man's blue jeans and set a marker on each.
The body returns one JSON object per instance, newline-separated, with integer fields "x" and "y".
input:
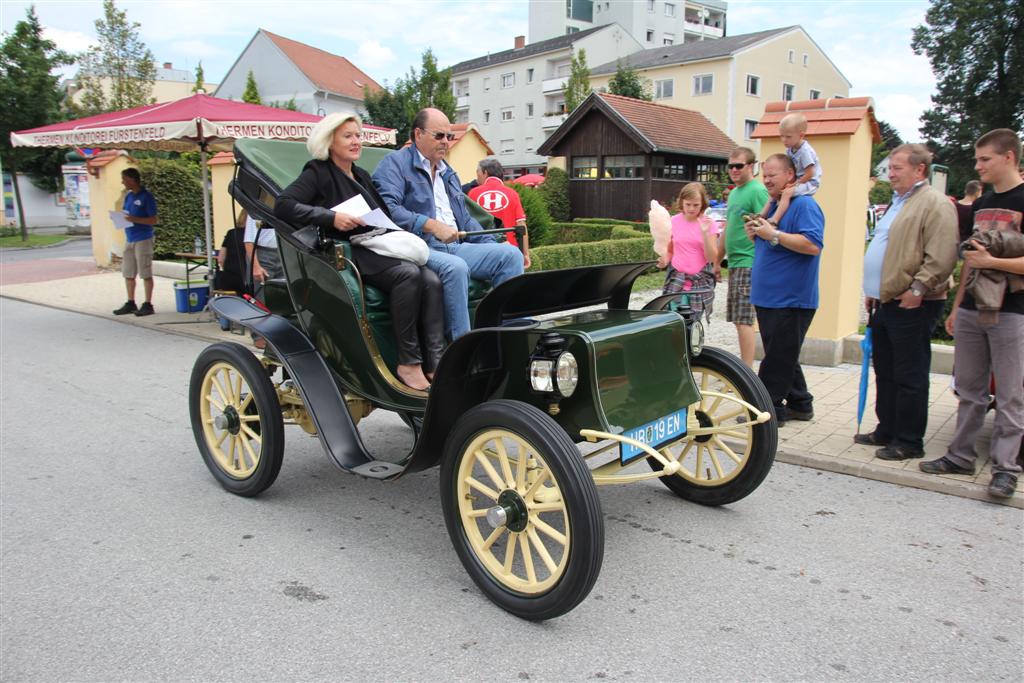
{"x": 491, "y": 261}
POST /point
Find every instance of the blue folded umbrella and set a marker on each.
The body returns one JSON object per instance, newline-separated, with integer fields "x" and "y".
{"x": 865, "y": 370}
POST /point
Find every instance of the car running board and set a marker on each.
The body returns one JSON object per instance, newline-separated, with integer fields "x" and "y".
{"x": 306, "y": 367}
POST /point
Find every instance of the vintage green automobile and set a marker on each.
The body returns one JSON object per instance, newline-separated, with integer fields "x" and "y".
{"x": 559, "y": 388}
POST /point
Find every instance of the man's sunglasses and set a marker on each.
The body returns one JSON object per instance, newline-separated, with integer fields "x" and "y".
{"x": 439, "y": 135}
{"x": 737, "y": 167}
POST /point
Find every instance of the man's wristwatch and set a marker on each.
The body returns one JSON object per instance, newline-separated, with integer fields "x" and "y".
{"x": 917, "y": 288}
{"x": 774, "y": 241}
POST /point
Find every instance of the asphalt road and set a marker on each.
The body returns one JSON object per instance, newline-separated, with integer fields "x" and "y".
{"x": 74, "y": 248}
{"x": 123, "y": 560}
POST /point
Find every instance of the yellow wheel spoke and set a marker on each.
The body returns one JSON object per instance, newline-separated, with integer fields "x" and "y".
{"x": 238, "y": 388}
{"x": 214, "y": 402}
{"x": 700, "y": 458}
{"x": 538, "y": 545}
{"x": 482, "y": 488}
{"x": 547, "y": 529}
{"x": 231, "y": 453}
{"x": 736, "y": 435}
{"x": 714, "y": 406}
{"x": 728, "y": 416}
{"x": 478, "y": 512}
{"x": 225, "y": 396}
{"x": 506, "y": 467}
{"x": 485, "y": 462}
{"x": 532, "y": 491}
{"x": 245, "y": 403}
{"x": 718, "y": 465}
{"x": 524, "y": 457}
{"x": 495, "y": 535}
{"x": 556, "y": 506}
{"x": 248, "y": 418}
{"x": 510, "y": 554}
{"x": 728, "y": 451}
{"x": 252, "y": 435}
{"x": 524, "y": 546}
{"x": 223, "y": 435}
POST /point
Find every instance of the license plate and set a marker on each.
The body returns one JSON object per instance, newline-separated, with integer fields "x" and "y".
{"x": 654, "y": 434}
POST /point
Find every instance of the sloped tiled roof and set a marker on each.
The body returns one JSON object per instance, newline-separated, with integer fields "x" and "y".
{"x": 694, "y": 51}
{"x": 332, "y": 73}
{"x": 660, "y": 128}
{"x": 537, "y": 48}
{"x": 834, "y": 116}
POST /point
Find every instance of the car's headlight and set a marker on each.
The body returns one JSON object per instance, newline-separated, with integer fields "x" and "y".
{"x": 540, "y": 375}
{"x": 696, "y": 338}
{"x": 567, "y": 374}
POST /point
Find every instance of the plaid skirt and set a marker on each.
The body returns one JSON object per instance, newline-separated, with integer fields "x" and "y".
{"x": 702, "y": 302}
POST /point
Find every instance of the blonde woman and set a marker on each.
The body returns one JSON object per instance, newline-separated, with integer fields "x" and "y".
{"x": 330, "y": 178}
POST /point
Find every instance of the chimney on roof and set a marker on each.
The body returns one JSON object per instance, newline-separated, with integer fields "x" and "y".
{"x": 168, "y": 65}
{"x": 520, "y": 42}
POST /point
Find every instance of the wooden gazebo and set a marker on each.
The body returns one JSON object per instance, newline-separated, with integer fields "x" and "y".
{"x": 621, "y": 153}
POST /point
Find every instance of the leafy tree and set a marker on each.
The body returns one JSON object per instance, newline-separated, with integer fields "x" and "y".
{"x": 395, "y": 107}
{"x": 977, "y": 56}
{"x": 555, "y": 190}
{"x": 628, "y": 83}
{"x": 200, "y": 85}
{"x": 578, "y": 86}
{"x": 538, "y": 219}
{"x": 119, "y": 72}
{"x": 179, "y": 196}
{"x": 890, "y": 140}
{"x": 29, "y": 97}
{"x": 881, "y": 193}
{"x": 251, "y": 93}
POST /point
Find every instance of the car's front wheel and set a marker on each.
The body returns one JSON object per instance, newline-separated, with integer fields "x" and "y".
{"x": 521, "y": 509}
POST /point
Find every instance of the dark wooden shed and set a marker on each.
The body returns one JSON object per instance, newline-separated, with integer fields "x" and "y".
{"x": 621, "y": 153}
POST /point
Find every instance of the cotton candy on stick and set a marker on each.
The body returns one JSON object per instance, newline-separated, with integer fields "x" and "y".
{"x": 661, "y": 227}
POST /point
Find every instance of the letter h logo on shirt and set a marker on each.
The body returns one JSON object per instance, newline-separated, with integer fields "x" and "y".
{"x": 493, "y": 201}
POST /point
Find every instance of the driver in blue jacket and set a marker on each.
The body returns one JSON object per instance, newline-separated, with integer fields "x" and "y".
{"x": 425, "y": 197}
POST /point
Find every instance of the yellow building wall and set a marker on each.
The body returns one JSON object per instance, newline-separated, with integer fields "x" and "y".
{"x": 845, "y": 161}
{"x": 465, "y": 155}
{"x": 106, "y": 193}
{"x": 163, "y": 91}
{"x": 221, "y": 200}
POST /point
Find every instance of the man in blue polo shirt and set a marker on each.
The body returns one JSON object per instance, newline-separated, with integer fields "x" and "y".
{"x": 140, "y": 207}
{"x": 784, "y": 288}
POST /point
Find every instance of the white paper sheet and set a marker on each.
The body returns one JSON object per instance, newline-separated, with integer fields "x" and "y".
{"x": 120, "y": 220}
{"x": 356, "y": 206}
{"x": 379, "y": 219}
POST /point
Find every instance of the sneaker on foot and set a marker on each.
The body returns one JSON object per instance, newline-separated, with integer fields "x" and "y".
{"x": 1003, "y": 485}
{"x": 145, "y": 309}
{"x": 870, "y": 439}
{"x": 943, "y": 465}
{"x": 129, "y": 307}
{"x": 899, "y": 453}
{"x": 803, "y": 416}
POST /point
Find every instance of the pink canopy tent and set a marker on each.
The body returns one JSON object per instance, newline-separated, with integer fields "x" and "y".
{"x": 529, "y": 180}
{"x": 199, "y": 121}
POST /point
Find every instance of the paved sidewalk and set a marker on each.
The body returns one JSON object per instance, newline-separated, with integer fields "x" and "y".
{"x": 825, "y": 443}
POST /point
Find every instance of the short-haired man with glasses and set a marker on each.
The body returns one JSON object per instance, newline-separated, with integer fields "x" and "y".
{"x": 425, "y": 197}
{"x": 747, "y": 197}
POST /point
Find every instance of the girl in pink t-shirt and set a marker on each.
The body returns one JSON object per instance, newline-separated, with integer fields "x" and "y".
{"x": 693, "y": 250}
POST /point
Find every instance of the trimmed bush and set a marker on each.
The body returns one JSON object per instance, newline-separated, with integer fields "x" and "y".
{"x": 555, "y": 190}
{"x": 622, "y": 232}
{"x": 179, "y": 204}
{"x": 602, "y": 221}
{"x": 592, "y": 254}
{"x": 940, "y": 329}
{"x": 571, "y": 233}
{"x": 538, "y": 220}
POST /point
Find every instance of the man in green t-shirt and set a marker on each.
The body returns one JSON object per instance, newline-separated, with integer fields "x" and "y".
{"x": 749, "y": 196}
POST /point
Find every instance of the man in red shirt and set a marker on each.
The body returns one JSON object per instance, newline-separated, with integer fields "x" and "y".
{"x": 500, "y": 201}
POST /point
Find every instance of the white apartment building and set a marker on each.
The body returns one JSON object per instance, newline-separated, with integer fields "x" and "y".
{"x": 515, "y": 97}
{"x": 652, "y": 23}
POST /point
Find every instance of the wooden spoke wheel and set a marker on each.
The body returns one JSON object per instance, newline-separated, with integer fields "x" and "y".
{"x": 724, "y": 467}
{"x": 521, "y": 509}
{"x": 236, "y": 419}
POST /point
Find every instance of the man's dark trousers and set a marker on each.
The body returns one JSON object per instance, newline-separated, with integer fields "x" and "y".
{"x": 782, "y": 335}
{"x": 902, "y": 355}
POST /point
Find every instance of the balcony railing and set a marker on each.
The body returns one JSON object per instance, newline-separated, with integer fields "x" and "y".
{"x": 697, "y": 27}
{"x": 462, "y": 102}
{"x": 552, "y": 120}
{"x": 554, "y": 84}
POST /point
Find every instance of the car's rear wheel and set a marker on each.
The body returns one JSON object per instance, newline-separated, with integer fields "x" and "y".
{"x": 236, "y": 419}
{"x": 722, "y": 468}
{"x": 521, "y": 509}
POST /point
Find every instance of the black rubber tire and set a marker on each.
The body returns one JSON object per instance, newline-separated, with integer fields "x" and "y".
{"x": 270, "y": 427}
{"x": 764, "y": 437}
{"x": 583, "y": 507}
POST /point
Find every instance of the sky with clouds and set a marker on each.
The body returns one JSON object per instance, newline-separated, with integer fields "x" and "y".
{"x": 869, "y": 40}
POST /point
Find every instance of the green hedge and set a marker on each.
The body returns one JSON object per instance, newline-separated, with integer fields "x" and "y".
{"x": 622, "y": 232}
{"x": 179, "y": 204}
{"x": 555, "y": 190}
{"x": 571, "y": 233}
{"x": 591, "y": 254}
{"x": 538, "y": 220}
{"x": 602, "y": 221}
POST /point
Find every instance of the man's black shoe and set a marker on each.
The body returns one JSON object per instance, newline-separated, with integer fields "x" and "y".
{"x": 800, "y": 415}
{"x": 1003, "y": 485}
{"x": 145, "y": 309}
{"x": 943, "y": 466}
{"x": 129, "y": 307}
{"x": 869, "y": 439}
{"x": 899, "y": 453}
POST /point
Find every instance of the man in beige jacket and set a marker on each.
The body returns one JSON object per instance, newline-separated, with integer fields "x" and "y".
{"x": 906, "y": 279}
